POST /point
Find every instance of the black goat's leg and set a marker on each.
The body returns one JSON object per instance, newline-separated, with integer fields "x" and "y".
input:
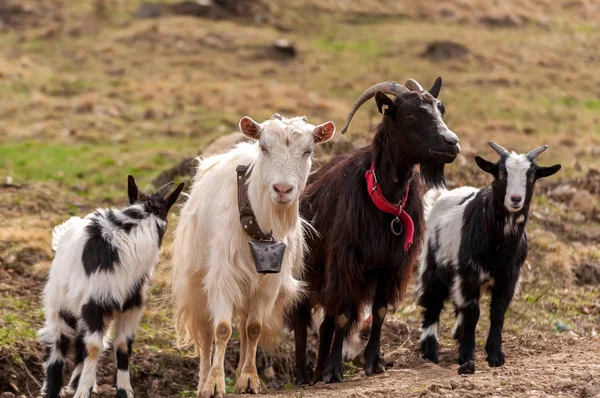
{"x": 373, "y": 362}
{"x": 301, "y": 321}
{"x": 326, "y": 331}
{"x": 334, "y": 369}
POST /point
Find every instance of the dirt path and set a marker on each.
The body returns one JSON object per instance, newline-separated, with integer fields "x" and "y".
{"x": 559, "y": 367}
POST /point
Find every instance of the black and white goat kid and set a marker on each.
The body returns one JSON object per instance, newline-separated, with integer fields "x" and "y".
{"x": 475, "y": 242}
{"x": 101, "y": 267}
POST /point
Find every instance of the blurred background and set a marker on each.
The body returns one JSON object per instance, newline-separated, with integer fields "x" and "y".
{"x": 93, "y": 90}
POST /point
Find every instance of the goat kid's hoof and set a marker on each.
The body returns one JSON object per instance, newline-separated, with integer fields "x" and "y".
{"x": 334, "y": 372}
{"x": 467, "y": 368}
{"x": 124, "y": 393}
{"x": 80, "y": 393}
{"x": 429, "y": 348}
{"x": 214, "y": 386}
{"x": 495, "y": 359}
{"x": 374, "y": 365}
{"x": 247, "y": 383}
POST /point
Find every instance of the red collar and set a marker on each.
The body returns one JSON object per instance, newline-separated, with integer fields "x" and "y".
{"x": 397, "y": 210}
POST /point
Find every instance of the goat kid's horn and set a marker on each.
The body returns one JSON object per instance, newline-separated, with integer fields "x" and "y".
{"x": 499, "y": 149}
{"x": 385, "y": 87}
{"x": 162, "y": 191}
{"x": 413, "y": 85}
{"x": 534, "y": 153}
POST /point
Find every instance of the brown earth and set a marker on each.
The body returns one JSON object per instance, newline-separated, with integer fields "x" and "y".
{"x": 90, "y": 93}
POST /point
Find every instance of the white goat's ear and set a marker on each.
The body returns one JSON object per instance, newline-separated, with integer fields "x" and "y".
{"x": 323, "y": 132}
{"x": 250, "y": 128}
{"x": 133, "y": 191}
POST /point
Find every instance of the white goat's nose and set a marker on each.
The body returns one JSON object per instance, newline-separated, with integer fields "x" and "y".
{"x": 283, "y": 188}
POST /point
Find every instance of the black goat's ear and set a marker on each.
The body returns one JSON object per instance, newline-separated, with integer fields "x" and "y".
{"x": 486, "y": 165}
{"x": 133, "y": 191}
{"x": 541, "y": 171}
{"x": 383, "y": 100}
{"x": 172, "y": 198}
{"x": 437, "y": 86}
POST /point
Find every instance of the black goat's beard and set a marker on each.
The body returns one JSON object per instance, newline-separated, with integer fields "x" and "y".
{"x": 433, "y": 174}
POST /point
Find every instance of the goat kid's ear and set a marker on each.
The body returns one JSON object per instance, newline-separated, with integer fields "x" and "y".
{"x": 250, "y": 128}
{"x": 323, "y": 132}
{"x": 541, "y": 171}
{"x": 133, "y": 191}
{"x": 437, "y": 86}
{"x": 486, "y": 165}
{"x": 383, "y": 100}
{"x": 173, "y": 196}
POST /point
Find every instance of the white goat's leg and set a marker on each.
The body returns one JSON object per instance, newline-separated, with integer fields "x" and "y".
{"x": 243, "y": 340}
{"x": 125, "y": 327}
{"x": 248, "y": 381}
{"x": 94, "y": 347}
{"x": 222, "y": 311}
{"x": 206, "y": 343}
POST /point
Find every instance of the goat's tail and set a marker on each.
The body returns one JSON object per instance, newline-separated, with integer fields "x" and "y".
{"x": 429, "y": 200}
{"x": 59, "y": 231}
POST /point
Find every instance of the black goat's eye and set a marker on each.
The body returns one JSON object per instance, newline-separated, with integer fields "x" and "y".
{"x": 441, "y": 108}
{"x": 532, "y": 178}
{"x": 501, "y": 176}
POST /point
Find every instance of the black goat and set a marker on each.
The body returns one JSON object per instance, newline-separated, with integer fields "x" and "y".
{"x": 476, "y": 240}
{"x": 363, "y": 254}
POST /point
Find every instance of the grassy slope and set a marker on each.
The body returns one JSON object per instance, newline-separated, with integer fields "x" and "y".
{"x": 87, "y": 101}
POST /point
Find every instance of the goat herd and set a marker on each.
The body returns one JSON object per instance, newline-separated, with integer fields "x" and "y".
{"x": 262, "y": 240}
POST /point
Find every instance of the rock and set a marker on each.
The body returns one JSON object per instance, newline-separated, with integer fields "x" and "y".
{"x": 444, "y": 50}
{"x": 284, "y": 48}
{"x": 501, "y": 21}
{"x": 149, "y": 10}
{"x": 587, "y": 274}
{"x": 563, "y": 193}
{"x": 107, "y": 390}
{"x": 199, "y": 8}
{"x": 584, "y": 202}
{"x": 7, "y": 395}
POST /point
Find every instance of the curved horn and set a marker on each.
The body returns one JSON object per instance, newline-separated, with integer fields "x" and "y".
{"x": 162, "y": 191}
{"x": 386, "y": 87}
{"x": 413, "y": 85}
{"x": 499, "y": 149}
{"x": 534, "y": 153}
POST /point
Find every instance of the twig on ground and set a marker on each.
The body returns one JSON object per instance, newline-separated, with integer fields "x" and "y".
{"x": 29, "y": 373}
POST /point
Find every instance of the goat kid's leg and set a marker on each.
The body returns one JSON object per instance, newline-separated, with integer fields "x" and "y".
{"x": 334, "y": 370}
{"x": 95, "y": 322}
{"x": 373, "y": 362}
{"x": 243, "y": 343}
{"x": 222, "y": 312}
{"x": 470, "y": 316}
{"x": 326, "y": 331}
{"x": 56, "y": 337}
{"x": 80, "y": 354}
{"x": 501, "y": 299}
{"x": 432, "y": 300}
{"x": 125, "y": 327}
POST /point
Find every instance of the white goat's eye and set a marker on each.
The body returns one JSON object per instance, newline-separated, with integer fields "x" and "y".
{"x": 308, "y": 152}
{"x": 264, "y": 149}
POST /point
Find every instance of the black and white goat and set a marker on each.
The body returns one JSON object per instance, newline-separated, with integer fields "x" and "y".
{"x": 102, "y": 265}
{"x": 476, "y": 241}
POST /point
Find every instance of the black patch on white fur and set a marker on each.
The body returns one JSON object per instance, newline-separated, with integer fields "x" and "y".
{"x": 98, "y": 254}
{"x": 136, "y": 297}
{"x": 134, "y": 213}
{"x": 94, "y": 314}
{"x": 125, "y": 226}
{"x": 466, "y": 198}
{"x": 68, "y": 318}
{"x": 161, "y": 233}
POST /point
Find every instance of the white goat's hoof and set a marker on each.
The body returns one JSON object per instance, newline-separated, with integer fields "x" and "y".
{"x": 248, "y": 382}
{"x": 214, "y": 386}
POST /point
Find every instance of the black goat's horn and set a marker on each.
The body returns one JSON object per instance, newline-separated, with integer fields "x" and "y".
{"x": 499, "y": 149}
{"x": 386, "y": 87}
{"x": 413, "y": 85}
{"x": 534, "y": 153}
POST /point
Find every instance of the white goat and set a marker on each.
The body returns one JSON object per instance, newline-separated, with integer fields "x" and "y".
{"x": 102, "y": 265}
{"x": 214, "y": 276}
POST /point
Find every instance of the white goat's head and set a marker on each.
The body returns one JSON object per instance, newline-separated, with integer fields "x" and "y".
{"x": 286, "y": 148}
